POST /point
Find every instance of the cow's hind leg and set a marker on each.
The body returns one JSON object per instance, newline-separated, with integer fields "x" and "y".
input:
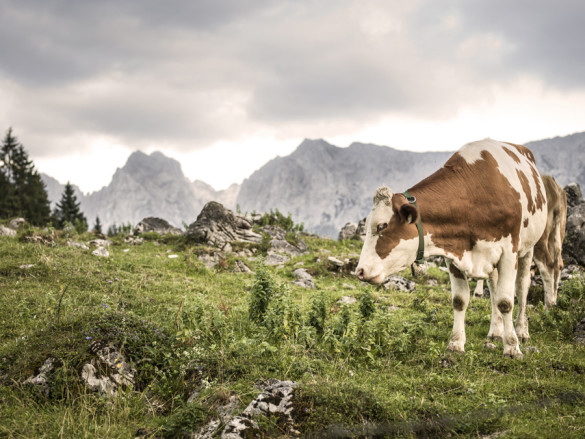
{"x": 478, "y": 292}
{"x": 504, "y": 301}
{"x": 522, "y": 285}
{"x": 460, "y": 300}
{"x": 496, "y": 323}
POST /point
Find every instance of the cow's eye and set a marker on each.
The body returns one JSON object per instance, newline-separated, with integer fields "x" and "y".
{"x": 381, "y": 227}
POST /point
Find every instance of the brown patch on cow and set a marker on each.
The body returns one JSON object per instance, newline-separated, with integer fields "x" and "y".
{"x": 397, "y": 229}
{"x": 540, "y": 197}
{"x": 526, "y": 188}
{"x": 526, "y": 223}
{"x": 458, "y": 303}
{"x": 463, "y": 203}
{"x": 505, "y": 306}
{"x": 523, "y": 150}
{"x": 511, "y": 154}
{"x": 456, "y": 272}
{"x": 547, "y": 250}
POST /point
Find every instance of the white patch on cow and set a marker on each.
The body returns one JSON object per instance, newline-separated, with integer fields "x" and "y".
{"x": 471, "y": 152}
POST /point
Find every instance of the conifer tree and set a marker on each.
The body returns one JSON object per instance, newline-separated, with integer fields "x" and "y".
{"x": 98, "y": 225}
{"x": 68, "y": 210}
{"x": 23, "y": 192}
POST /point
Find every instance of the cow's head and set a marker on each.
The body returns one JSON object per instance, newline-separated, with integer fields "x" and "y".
{"x": 391, "y": 241}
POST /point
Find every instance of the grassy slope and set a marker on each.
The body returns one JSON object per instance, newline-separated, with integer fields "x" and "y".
{"x": 187, "y": 328}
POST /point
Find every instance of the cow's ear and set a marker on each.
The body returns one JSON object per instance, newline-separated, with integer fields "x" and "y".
{"x": 408, "y": 213}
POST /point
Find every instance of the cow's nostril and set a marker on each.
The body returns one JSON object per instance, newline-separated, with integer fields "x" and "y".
{"x": 360, "y": 273}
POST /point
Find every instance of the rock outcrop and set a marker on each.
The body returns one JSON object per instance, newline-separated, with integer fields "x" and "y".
{"x": 156, "y": 225}
{"x": 217, "y": 226}
{"x": 574, "y": 243}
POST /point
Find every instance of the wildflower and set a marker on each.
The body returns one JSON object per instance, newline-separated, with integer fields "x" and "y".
{"x": 89, "y": 337}
{"x": 109, "y": 281}
{"x": 104, "y": 305}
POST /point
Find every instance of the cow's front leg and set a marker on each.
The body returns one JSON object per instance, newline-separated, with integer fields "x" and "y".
{"x": 460, "y": 300}
{"x": 522, "y": 285}
{"x": 504, "y": 301}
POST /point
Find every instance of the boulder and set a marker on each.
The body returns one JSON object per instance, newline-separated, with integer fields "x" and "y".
{"x": 101, "y": 252}
{"x": 40, "y": 380}
{"x": 112, "y": 372}
{"x": 218, "y": 226}
{"x": 398, "y": 283}
{"x": 360, "y": 232}
{"x": 15, "y": 223}
{"x": 156, "y": 225}
{"x": 574, "y": 243}
{"x": 347, "y": 232}
{"x": 5, "y": 231}
{"x": 304, "y": 279}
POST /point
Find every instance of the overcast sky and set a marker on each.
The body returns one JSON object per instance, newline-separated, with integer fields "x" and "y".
{"x": 226, "y": 85}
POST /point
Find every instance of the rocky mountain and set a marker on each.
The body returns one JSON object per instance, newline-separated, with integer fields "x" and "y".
{"x": 320, "y": 184}
{"x": 147, "y": 185}
{"x": 325, "y": 186}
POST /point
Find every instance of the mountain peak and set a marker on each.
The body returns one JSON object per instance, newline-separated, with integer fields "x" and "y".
{"x": 140, "y": 163}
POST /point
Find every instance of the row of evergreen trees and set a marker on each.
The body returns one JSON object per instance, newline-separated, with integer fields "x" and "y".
{"x": 24, "y": 194}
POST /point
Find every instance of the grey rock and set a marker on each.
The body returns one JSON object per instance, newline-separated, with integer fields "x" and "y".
{"x": 579, "y": 334}
{"x": 116, "y": 372}
{"x": 210, "y": 261}
{"x": 490, "y": 346}
{"x": 574, "y": 194}
{"x": 303, "y": 278}
{"x": 347, "y": 232}
{"x": 241, "y": 427}
{"x": 15, "y": 223}
{"x": 574, "y": 243}
{"x": 41, "y": 378}
{"x": 361, "y": 230}
{"x": 100, "y": 243}
{"x": 242, "y": 268}
{"x": 26, "y": 266}
{"x": 102, "y": 252}
{"x": 398, "y": 283}
{"x": 156, "y": 225}
{"x": 334, "y": 262}
{"x": 275, "y": 259}
{"x": 103, "y": 384}
{"x": 347, "y": 300}
{"x": 218, "y": 226}
{"x": 77, "y": 244}
{"x": 5, "y": 231}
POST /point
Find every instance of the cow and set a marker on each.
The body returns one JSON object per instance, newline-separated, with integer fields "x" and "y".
{"x": 547, "y": 251}
{"x": 486, "y": 208}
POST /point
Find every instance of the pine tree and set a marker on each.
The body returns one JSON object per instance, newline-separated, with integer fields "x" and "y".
{"x": 68, "y": 211}
{"x": 23, "y": 192}
{"x": 98, "y": 225}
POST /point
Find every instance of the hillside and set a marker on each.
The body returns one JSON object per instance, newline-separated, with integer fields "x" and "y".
{"x": 189, "y": 354}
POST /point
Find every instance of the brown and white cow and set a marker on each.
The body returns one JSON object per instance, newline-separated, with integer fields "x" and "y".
{"x": 547, "y": 253}
{"x": 484, "y": 209}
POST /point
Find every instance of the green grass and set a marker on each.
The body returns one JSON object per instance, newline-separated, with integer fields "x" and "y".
{"x": 376, "y": 368}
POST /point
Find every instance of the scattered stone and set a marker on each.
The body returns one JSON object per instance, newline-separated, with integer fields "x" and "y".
{"x": 348, "y": 286}
{"x": 574, "y": 243}
{"x": 360, "y": 232}
{"x": 218, "y": 226}
{"x": 275, "y": 259}
{"x": 41, "y": 379}
{"x": 240, "y": 427}
{"x": 242, "y": 268}
{"x": 173, "y": 256}
{"x": 398, "y": 283}
{"x": 334, "y": 263}
{"x": 15, "y": 223}
{"x": 571, "y": 271}
{"x": 210, "y": 261}
{"x": 100, "y": 243}
{"x": 490, "y": 346}
{"x": 579, "y": 334}
{"x": 347, "y": 232}
{"x": 101, "y": 252}
{"x": 304, "y": 279}
{"x": 133, "y": 240}
{"x": 432, "y": 283}
{"x": 156, "y": 225}
{"x": 5, "y": 231}
{"x": 347, "y": 300}
{"x": 77, "y": 244}
{"x": 118, "y": 373}
{"x": 26, "y": 266}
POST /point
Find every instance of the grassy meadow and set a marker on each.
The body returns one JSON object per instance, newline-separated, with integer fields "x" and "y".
{"x": 374, "y": 368}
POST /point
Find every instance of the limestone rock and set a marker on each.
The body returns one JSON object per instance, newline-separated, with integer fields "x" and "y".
{"x": 347, "y": 232}
{"x": 5, "y": 231}
{"x": 77, "y": 244}
{"x": 156, "y": 225}
{"x": 100, "y": 243}
{"x": 218, "y": 226}
{"x": 574, "y": 194}
{"x": 41, "y": 379}
{"x": 15, "y": 223}
{"x": 275, "y": 259}
{"x": 347, "y": 300}
{"x": 398, "y": 283}
{"x": 303, "y": 278}
{"x": 574, "y": 243}
{"x": 242, "y": 268}
{"x": 101, "y": 252}
{"x": 114, "y": 372}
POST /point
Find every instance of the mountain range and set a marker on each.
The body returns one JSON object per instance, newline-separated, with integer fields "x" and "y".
{"x": 321, "y": 185}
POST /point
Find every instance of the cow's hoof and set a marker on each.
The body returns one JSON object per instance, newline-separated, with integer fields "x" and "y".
{"x": 513, "y": 352}
{"x": 494, "y": 337}
{"x": 523, "y": 336}
{"x": 455, "y": 347}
